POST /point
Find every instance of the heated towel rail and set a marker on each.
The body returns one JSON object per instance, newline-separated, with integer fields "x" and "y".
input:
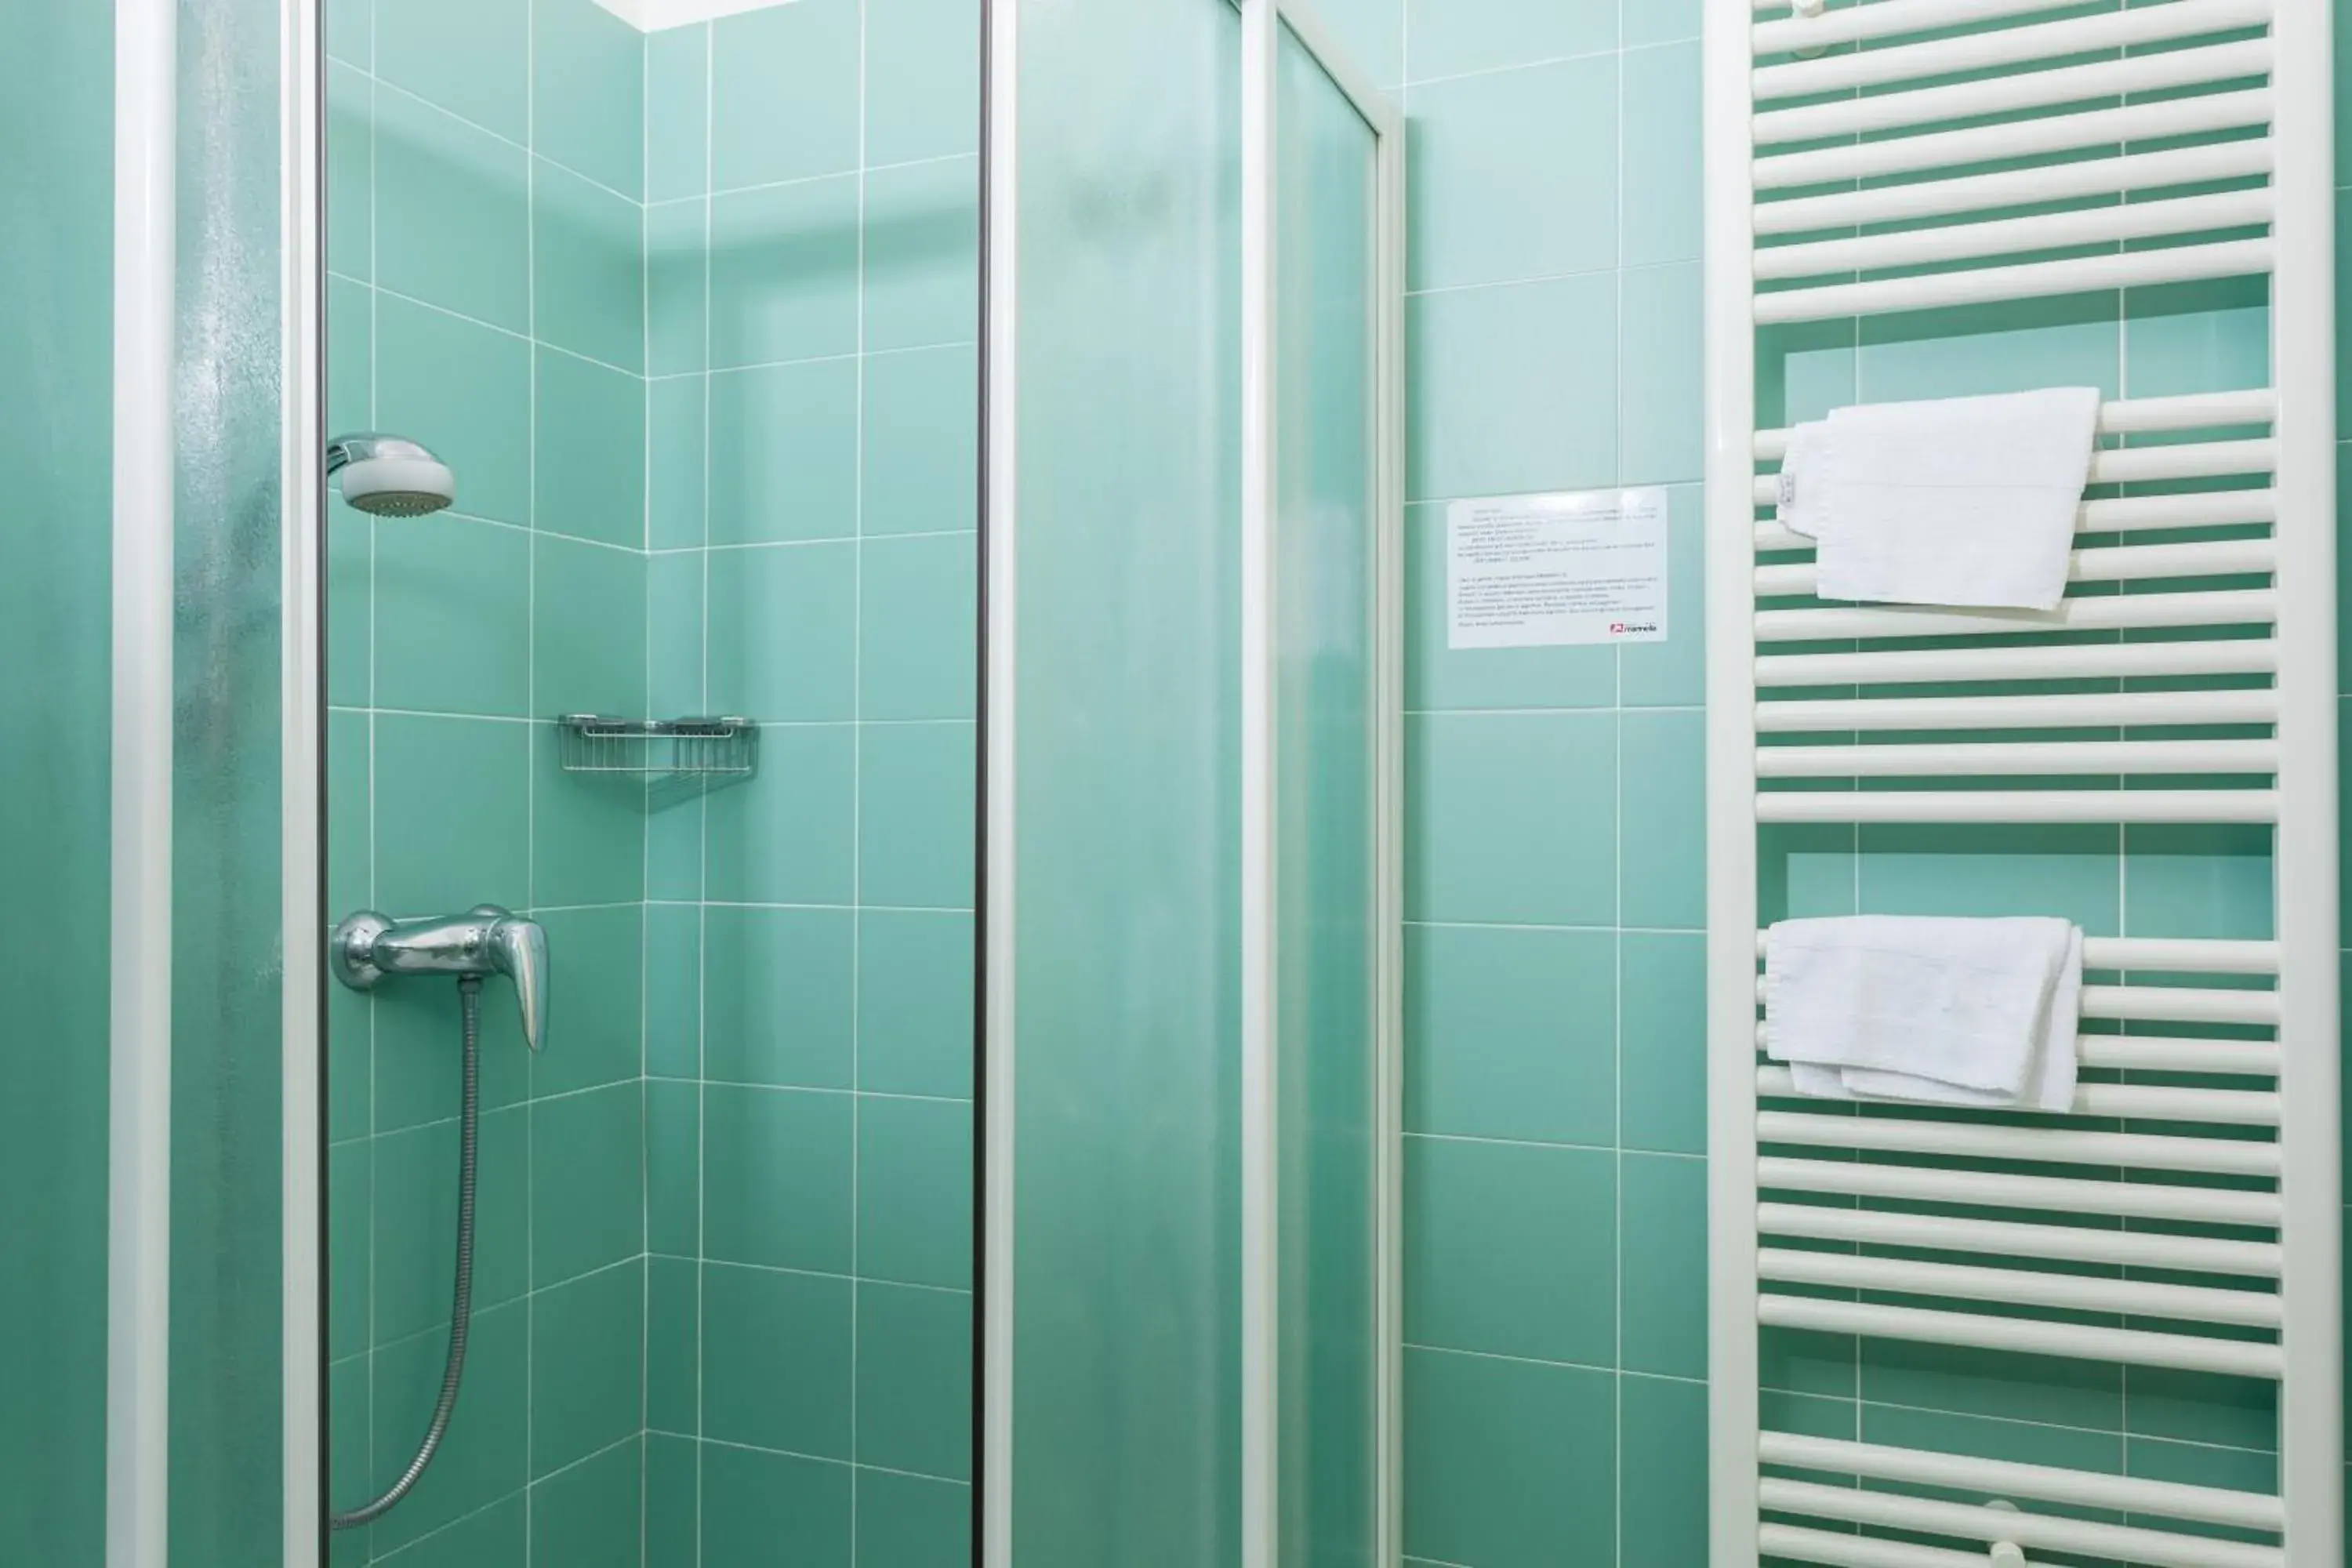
{"x": 1933, "y": 161}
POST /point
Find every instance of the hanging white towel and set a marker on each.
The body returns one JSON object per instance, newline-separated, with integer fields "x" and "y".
{"x": 1969, "y": 501}
{"x": 1960, "y": 1012}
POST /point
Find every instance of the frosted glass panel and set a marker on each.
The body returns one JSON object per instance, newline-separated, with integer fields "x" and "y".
{"x": 1326, "y": 936}
{"x": 56, "y": 400}
{"x": 1126, "y": 1231}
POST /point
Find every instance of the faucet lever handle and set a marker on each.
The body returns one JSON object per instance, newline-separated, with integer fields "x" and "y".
{"x": 518, "y": 951}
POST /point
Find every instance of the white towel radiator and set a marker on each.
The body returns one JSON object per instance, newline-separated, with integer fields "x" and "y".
{"x": 1915, "y": 155}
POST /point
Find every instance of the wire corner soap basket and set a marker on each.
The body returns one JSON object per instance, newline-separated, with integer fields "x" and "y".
{"x": 704, "y": 750}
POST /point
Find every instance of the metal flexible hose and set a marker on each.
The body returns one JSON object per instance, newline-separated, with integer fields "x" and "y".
{"x": 461, "y": 1306}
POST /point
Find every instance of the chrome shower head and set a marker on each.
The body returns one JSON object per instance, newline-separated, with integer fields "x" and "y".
{"x": 389, "y": 475}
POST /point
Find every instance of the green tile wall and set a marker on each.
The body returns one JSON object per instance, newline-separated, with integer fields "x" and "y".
{"x": 811, "y": 263}
{"x": 485, "y": 295}
{"x": 1555, "y": 1213}
{"x": 56, "y": 432}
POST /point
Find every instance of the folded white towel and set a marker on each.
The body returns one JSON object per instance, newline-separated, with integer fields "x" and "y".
{"x": 1962, "y": 1012}
{"x": 1804, "y": 479}
{"x": 1965, "y": 500}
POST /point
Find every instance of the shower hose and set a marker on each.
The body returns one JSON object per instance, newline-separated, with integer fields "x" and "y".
{"x": 461, "y": 1305}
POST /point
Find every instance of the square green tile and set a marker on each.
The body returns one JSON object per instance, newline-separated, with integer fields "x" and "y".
{"x": 914, "y": 787}
{"x": 1511, "y": 1249}
{"x": 1974, "y": 1437}
{"x": 922, "y": 254}
{"x": 2007, "y": 1385}
{"x": 1511, "y": 819}
{"x": 598, "y": 1037}
{"x": 675, "y": 458}
{"x": 495, "y": 1536}
{"x": 755, "y": 1504}
{"x": 351, "y": 607}
{"x": 350, "y": 862}
{"x": 922, "y": 79}
{"x": 451, "y": 819}
{"x": 346, "y": 1458}
{"x": 777, "y": 997}
{"x": 587, "y": 1365}
{"x": 1659, "y": 21}
{"x": 452, "y": 213}
{"x": 588, "y": 92}
{"x": 908, "y": 1521}
{"x": 915, "y": 1011}
{"x": 922, "y": 441}
{"x": 757, "y": 1143}
{"x": 590, "y": 473}
{"x": 415, "y": 1231}
{"x": 1662, "y": 370}
{"x": 416, "y": 1030}
{"x": 914, "y": 1381}
{"x": 1515, "y": 175}
{"x": 1977, "y": 871}
{"x": 591, "y": 1516}
{"x": 453, "y": 617}
{"x": 1506, "y": 1464}
{"x": 2186, "y": 880}
{"x": 485, "y": 77}
{"x": 778, "y": 1349}
{"x": 672, "y": 1501}
{"x": 588, "y": 266}
{"x": 678, "y": 286}
{"x": 783, "y": 272}
{"x": 914, "y": 1192}
{"x": 782, "y": 633}
{"x": 588, "y": 1191}
{"x": 674, "y": 991}
{"x": 1662, "y": 1482}
{"x": 783, "y": 453}
{"x": 789, "y": 834}
{"x": 784, "y": 89}
{"x": 677, "y": 113}
{"x": 588, "y": 629}
{"x": 350, "y": 355}
{"x": 464, "y": 389}
{"x": 673, "y": 849}
{"x": 673, "y": 1168}
{"x": 674, "y": 625}
{"x": 2201, "y": 1407}
{"x": 1672, "y": 673}
{"x": 1511, "y": 1033}
{"x": 1439, "y": 677}
{"x": 587, "y": 831}
{"x": 485, "y": 1457}
{"x": 1512, "y": 390}
{"x": 1661, "y": 219}
{"x": 1447, "y": 38}
{"x": 351, "y": 1052}
{"x": 673, "y": 1344}
{"x": 1662, "y": 819}
{"x": 2017, "y": 346}
{"x": 350, "y": 1198}
{"x": 919, "y": 603}
{"x": 1662, "y": 997}
{"x": 350, "y": 27}
{"x": 351, "y": 171}
{"x": 1665, "y": 1201}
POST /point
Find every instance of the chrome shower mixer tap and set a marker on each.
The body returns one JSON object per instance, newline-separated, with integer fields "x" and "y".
{"x": 486, "y": 940}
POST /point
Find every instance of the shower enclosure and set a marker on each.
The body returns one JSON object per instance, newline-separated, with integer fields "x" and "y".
{"x": 784, "y": 618}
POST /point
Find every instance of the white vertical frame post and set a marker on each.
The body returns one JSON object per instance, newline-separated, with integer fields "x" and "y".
{"x": 1001, "y": 331}
{"x": 139, "y": 1246}
{"x": 2303, "y": 298}
{"x": 302, "y": 847}
{"x": 1261, "y": 1075}
{"x": 1728, "y": 522}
